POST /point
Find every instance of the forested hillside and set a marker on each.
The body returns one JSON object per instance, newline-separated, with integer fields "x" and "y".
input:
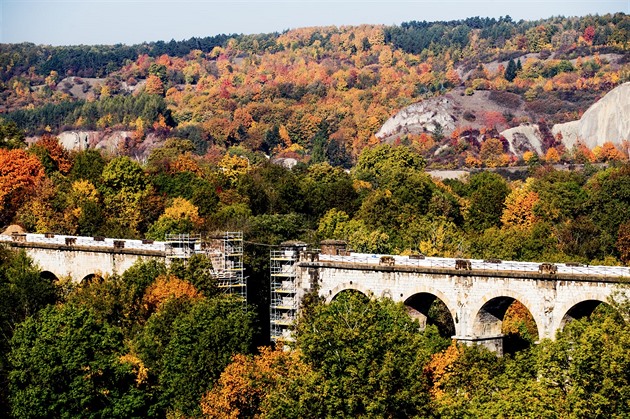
{"x": 207, "y": 123}
{"x": 322, "y": 93}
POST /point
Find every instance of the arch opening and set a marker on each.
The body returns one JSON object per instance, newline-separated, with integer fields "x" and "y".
{"x": 428, "y": 309}
{"x": 508, "y": 319}
{"x": 48, "y": 276}
{"x": 583, "y": 309}
{"x": 346, "y": 293}
{"x": 91, "y": 279}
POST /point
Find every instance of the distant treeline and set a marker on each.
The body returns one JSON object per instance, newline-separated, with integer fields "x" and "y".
{"x": 415, "y": 37}
{"x": 121, "y": 111}
{"x": 93, "y": 61}
{"x": 412, "y": 37}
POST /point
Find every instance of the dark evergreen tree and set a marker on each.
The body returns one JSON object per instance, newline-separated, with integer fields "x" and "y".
{"x": 510, "y": 71}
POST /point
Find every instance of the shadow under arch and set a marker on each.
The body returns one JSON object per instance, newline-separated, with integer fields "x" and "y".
{"x": 350, "y": 286}
{"x": 91, "y": 279}
{"x": 48, "y": 276}
{"x": 581, "y": 310}
{"x": 429, "y": 309}
{"x": 490, "y": 322}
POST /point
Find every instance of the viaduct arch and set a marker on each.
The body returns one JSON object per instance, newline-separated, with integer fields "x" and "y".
{"x": 475, "y": 293}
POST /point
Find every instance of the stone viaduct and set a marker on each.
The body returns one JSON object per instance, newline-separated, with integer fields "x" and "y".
{"x": 477, "y": 293}
{"x": 82, "y": 258}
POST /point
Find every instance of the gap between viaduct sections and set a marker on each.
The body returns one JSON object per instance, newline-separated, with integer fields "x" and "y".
{"x": 477, "y": 299}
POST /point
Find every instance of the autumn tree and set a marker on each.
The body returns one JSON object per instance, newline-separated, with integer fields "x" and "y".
{"x": 154, "y": 85}
{"x": 623, "y": 242}
{"x": 20, "y": 173}
{"x": 248, "y": 384}
{"x": 519, "y": 206}
{"x": 180, "y": 217}
{"x": 491, "y": 153}
{"x": 165, "y": 288}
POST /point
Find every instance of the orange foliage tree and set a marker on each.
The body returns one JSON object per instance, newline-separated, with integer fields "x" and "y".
{"x": 245, "y": 384}
{"x": 56, "y": 152}
{"x": 165, "y": 288}
{"x": 608, "y": 152}
{"x": 20, "y": 173}
{"x": 154, "y": 85}
{"x": 552, "y": 155}
{"x": 518, "y": 320}
{"x": 441, "y": 368}
{"x": 623, "y": 242}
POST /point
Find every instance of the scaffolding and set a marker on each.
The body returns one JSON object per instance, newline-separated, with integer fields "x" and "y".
{"x": 284, "y": 302}
{"x": 225, "y": 250}
{"x": 182, "y": 246}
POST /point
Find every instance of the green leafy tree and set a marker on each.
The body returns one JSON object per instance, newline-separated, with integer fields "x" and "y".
{"x": 202, "y": 343}
{"x": 487, "y": 197}
{"x": 88, "y": 165}
{"x": 326, "y": 187}
{"x": 609, "y": 203}
{"x": 588, "y": 364}
{"x": 66, "y": 363}
{"x": 382, "y": 164}
{"x": 369, "y": 356}
{"x": 23, "y": 292}
{"x": 10, "y": 135}
{"x": 125, "y": 190}
{"x": 510, "y": 70}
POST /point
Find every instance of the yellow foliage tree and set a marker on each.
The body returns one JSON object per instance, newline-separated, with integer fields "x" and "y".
{"x": 182, "y": 208}
{"x": 491, "y": 152}
{"x": 528, "y": 155}
{"x": 519, "y": 206}
{"x": 233, "y": 167}
{"x": 284, "y": 135}
{"x": 552, "y": 155}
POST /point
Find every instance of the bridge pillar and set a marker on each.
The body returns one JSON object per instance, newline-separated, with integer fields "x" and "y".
{"x": 492, "y": 343}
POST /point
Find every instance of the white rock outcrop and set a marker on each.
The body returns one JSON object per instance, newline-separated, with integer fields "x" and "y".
{"x": 74, "y": 140}
{"x": 419, "y": 117}
{"x": 606, "y": 120}
{"x": 523, "y": 138}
